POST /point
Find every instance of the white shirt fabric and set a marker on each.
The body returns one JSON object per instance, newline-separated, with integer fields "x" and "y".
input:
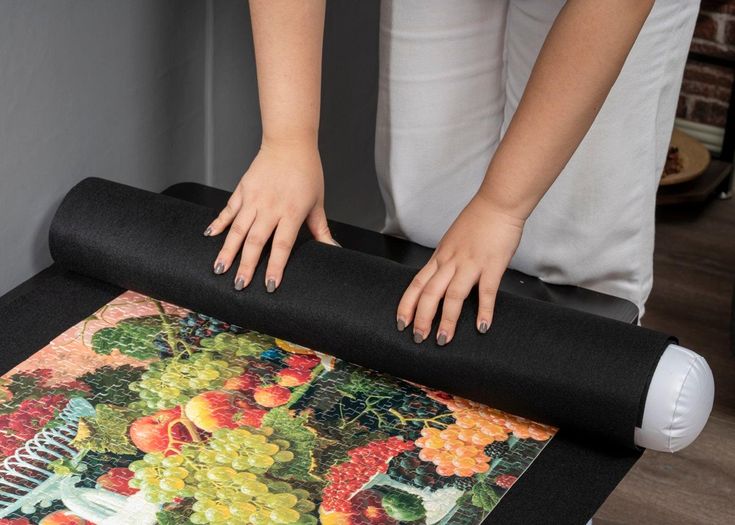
{"x": 451, "y": 75}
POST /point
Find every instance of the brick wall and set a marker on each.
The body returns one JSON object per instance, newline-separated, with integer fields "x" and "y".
{"x": 705, "y": 91}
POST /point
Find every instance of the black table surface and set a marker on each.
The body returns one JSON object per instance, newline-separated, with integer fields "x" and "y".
{"x": 565, "y": 484}
{"x": 412, "y": 254}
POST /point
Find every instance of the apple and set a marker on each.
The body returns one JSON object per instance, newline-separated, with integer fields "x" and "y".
{"x": 63, "y": 517}
{"x": 222, "y": 409}
{"x": 242, "y": 383}
{"x": 116, "y": 480}
{"x": 151, "y": 433}
{"x": 215, "y": 409}
{"x": 272, "y": 396}
{"x": 294, "y": 376}
{"x": 253, "y": 417}
{"x": 303, "y": 361}
{"x": 15, "y": 521}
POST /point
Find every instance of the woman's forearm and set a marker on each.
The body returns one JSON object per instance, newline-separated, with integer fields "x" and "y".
{"x": 578, "y": 64}
{"x": 284, "y": 186}
{"x": 288, "y": 38}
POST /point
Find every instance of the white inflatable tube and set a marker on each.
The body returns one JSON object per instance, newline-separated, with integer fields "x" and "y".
{"x": 678, "y": 403}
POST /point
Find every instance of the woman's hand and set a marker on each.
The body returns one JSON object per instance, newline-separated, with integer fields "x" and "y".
{"x": 477, "y": 248}
{"x": 282, "y": 189}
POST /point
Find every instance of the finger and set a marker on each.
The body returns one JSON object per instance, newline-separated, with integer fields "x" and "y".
{"x": 316, "y": 221}
{"x": 429, "y": 302}
{"x": 226, "y": 216}
{"x": 283, "y": 242}
{"x": 407, "y": 304}
{"x": 258, "y": 235}
{"x": 488, "y": 291}
{"x": 233, "y": 242}
{"x": 457, "y": 291}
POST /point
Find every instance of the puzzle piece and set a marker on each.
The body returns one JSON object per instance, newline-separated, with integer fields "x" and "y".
{"x": 148, "y": 409}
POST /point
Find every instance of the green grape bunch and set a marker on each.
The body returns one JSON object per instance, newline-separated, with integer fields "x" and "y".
{"x": 230, "y": 346}
{"x": 171, "y": 382}
{"x": 226, "y": 478}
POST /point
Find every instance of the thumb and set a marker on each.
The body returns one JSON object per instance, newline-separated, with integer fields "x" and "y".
{"x": 317, "y": 224}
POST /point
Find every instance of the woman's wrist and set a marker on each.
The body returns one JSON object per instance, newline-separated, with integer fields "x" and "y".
{"x": 299, "y": 139}
{"x": 500, "y": 201}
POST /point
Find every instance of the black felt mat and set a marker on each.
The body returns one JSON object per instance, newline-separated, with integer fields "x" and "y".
{"x": 583, "y": 373}
{"x": 565, "y": 485}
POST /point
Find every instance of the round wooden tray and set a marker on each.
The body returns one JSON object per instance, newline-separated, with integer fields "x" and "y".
{"x": 694, "y": 158}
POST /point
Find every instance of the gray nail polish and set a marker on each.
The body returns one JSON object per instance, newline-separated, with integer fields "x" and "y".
{"x": 219, "y": 268}
{"x": 417, "y": 337}
{"x": 270, "y": 286}
{"x": 239, "y": 283}
{"x": 442, "y": 339}
{"x": 336, "y": 243}
{"x": 483, "y": 327}
{"x": 208, "y": 231}
{"x": 400, "y": 324}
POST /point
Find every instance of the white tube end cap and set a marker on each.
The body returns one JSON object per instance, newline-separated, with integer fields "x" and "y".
{"x": 679, "y": 401}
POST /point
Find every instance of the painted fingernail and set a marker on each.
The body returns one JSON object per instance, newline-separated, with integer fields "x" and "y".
{"x": 270, "y": 286}
{"x": 219, "y": 268}
{"x": 208, "y": 231}
{"x": 418, "y": 337}
{"x": 442, "y": 339}
{"x": 239, "y": 283}
{"x": 400, "y": 324}
{"x": 336, "y": 243}
{"x": 483, "y": 327}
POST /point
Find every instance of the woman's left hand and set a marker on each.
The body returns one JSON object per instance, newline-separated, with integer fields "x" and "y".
{"x": 477, "y": 248}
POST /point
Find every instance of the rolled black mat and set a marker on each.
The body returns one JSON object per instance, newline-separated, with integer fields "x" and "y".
{"x": 586, "y": 374}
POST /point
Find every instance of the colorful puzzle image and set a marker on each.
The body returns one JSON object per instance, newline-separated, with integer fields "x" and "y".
{"x": 147, "y": 413}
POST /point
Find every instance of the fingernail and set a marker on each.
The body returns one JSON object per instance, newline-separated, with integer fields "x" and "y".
{"x": 400, "y": 324}
{"x": 219, "y": 268}
{"x": 270, "y": 286}
{"x": 442, "y": 339}
{"x": 208, "y": 231}
{"x": 336, "y": 243}
{"x": 483, "y": 327}
{"x": 239, "y": 283}
{"x": 417, "y": 337}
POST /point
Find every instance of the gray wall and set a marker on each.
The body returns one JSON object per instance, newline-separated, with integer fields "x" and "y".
{"x": 91, "y": 88}
{"x": 153, "y": 92}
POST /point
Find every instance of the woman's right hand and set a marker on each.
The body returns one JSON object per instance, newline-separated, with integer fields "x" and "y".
{"x": 282, "y": 189}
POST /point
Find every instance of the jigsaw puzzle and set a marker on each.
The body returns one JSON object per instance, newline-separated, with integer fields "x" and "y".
{"x": 146, "y": 413}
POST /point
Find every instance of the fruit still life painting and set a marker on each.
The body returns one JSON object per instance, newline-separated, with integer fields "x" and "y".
{"x": 148, "y": 413}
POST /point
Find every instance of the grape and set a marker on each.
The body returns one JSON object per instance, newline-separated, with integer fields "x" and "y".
{"x": 172, "y": 461}
{"x": 171, "y": 484}
{"x": 221, "y": 473}
{"x": 364, "y": 463}
{"x": 497, "y": 449}
{"x": 490, "y": 419}
{"x": 283, "y": 456}
{"x": 225, "y": 478}
{"x": 456, "y": 450}
{"x": 192, "y": 329}
{"x": 409, "y": 469}
{"x": 305, "y": 506}
{"x": 284, "y": 515}
{"x": 176, "y": 472}
{"x": 171, "y": 382}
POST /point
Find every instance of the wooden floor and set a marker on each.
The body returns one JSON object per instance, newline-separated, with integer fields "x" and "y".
{"x": 693, "y": 279}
